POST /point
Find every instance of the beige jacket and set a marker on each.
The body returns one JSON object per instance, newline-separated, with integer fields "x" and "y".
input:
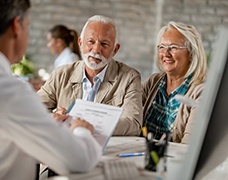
{"x": 185, "y": 116}
{"x": 121, "y": 87}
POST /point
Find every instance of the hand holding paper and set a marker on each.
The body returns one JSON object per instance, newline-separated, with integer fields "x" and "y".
{"x": 104, "y": 118}
{"x": 81, "y": 123}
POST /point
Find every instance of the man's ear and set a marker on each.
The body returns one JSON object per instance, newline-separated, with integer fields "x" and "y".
{"x": 79, "y": 41}
{"x": 116, "y": 49}
{"x": 80, "y": 44}
{"x": 16, "y": 26}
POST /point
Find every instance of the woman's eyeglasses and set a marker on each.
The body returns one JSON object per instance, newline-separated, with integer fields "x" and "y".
{"x": 171, "y": 48}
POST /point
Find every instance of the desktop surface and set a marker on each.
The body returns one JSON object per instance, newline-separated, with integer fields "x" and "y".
{"x": 119, "y": 145}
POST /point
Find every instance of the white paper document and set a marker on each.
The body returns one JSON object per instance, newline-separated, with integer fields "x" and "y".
{"x": 104, "y": 118}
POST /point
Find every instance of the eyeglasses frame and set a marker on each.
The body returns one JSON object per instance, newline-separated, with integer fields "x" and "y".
{"x": 169, "y": 48}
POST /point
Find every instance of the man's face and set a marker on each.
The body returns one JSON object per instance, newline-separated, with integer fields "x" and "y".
{"x": 98, "y": 45}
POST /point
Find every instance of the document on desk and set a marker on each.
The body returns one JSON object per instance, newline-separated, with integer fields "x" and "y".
{"x": 103, "y": 117}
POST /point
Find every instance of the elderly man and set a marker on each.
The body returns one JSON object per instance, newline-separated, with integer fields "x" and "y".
{"x": 98, "y": 77}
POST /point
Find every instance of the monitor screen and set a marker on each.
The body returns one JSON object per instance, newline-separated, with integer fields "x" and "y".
{"x": 208, "y": 144}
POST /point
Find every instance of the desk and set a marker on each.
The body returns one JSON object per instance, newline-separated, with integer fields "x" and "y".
{"x": 117, "y": 145}
{"x": 125, "y": 144}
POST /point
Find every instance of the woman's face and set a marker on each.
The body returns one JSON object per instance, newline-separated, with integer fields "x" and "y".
{"x": 53, "y": 44}
{"x": 174, "y": 62}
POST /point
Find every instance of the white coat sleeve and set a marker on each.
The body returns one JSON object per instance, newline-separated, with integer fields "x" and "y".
{"x": 31, "y": 128}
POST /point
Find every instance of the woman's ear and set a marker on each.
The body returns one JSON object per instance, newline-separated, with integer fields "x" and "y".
{"x": 59, "y": 42}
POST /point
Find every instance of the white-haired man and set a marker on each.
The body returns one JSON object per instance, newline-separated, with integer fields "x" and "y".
{"x": 118, "y": 84}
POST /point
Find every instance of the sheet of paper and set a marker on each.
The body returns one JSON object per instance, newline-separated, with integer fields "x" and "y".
{"x": 104, "y": 118}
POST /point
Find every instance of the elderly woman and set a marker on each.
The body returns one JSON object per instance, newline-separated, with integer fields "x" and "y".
{"x": 181, "y": 60}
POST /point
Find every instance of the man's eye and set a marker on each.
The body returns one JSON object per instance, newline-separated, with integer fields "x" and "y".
{"x": 90, "y": 42}
{"x": 104, "y": 44}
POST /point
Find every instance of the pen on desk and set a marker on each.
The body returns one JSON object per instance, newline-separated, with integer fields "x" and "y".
{"x": 170, "y": 156}
{"x": 131, "y": 154}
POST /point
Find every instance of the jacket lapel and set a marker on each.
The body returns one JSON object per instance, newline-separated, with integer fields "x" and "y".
{"x": 111, "y": 76}
{"x": 103, "y": 90}
{"x": 76, "y": 80}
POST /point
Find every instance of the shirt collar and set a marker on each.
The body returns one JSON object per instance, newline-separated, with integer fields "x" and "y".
{"x": 100, "y": 75}
{"x": 4, "y": 64}
{"x": 181, "y": 89}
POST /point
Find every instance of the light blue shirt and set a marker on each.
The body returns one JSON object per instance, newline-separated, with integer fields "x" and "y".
{"x": 87, "y": 85}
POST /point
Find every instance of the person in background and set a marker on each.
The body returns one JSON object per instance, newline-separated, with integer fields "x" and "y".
{"x": 28, "y": 133}
{"x": 98, "y": 77}
{"x": 63, "y": 42}
{"x": 181, "y": 59}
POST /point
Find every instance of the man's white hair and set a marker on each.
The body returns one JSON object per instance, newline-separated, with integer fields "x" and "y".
{"x": 103, "y": 19}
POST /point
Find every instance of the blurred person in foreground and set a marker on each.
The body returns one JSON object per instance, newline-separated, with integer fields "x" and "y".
{"x": 181, "y": 59}
{"x": 113, "y": 82}
{"x": 63, "y": 42}
{"x": 28, "y": 133}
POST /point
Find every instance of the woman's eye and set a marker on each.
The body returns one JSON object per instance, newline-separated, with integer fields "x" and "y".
{"x": 174, "y": 48}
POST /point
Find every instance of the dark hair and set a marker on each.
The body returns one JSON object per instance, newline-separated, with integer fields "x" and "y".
{"x": 10, "y": 9}
{"x": 69, "y": 36}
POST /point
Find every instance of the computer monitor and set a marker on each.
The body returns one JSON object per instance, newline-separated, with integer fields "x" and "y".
{"x": 208, "y": 144}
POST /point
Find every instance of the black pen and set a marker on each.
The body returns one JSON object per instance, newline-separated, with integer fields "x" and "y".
{"x": 170, "y": 156}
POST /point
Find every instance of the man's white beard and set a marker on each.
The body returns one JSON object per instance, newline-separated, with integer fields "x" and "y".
{"x": 92, "y": 64}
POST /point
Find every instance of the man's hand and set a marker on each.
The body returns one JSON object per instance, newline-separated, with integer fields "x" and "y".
{"x": 81, "y": 123}
{"x": 60, "y": 117}
{"x": 61, "y": 110}
{"x": 60, "y": 114}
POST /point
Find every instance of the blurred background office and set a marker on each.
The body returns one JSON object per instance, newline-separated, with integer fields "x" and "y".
{"x": 63, "y": 42}
{"x": 138, "y": 23}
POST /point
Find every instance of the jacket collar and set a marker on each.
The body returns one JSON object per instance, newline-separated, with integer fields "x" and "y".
{"x": 110, "y": 77}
